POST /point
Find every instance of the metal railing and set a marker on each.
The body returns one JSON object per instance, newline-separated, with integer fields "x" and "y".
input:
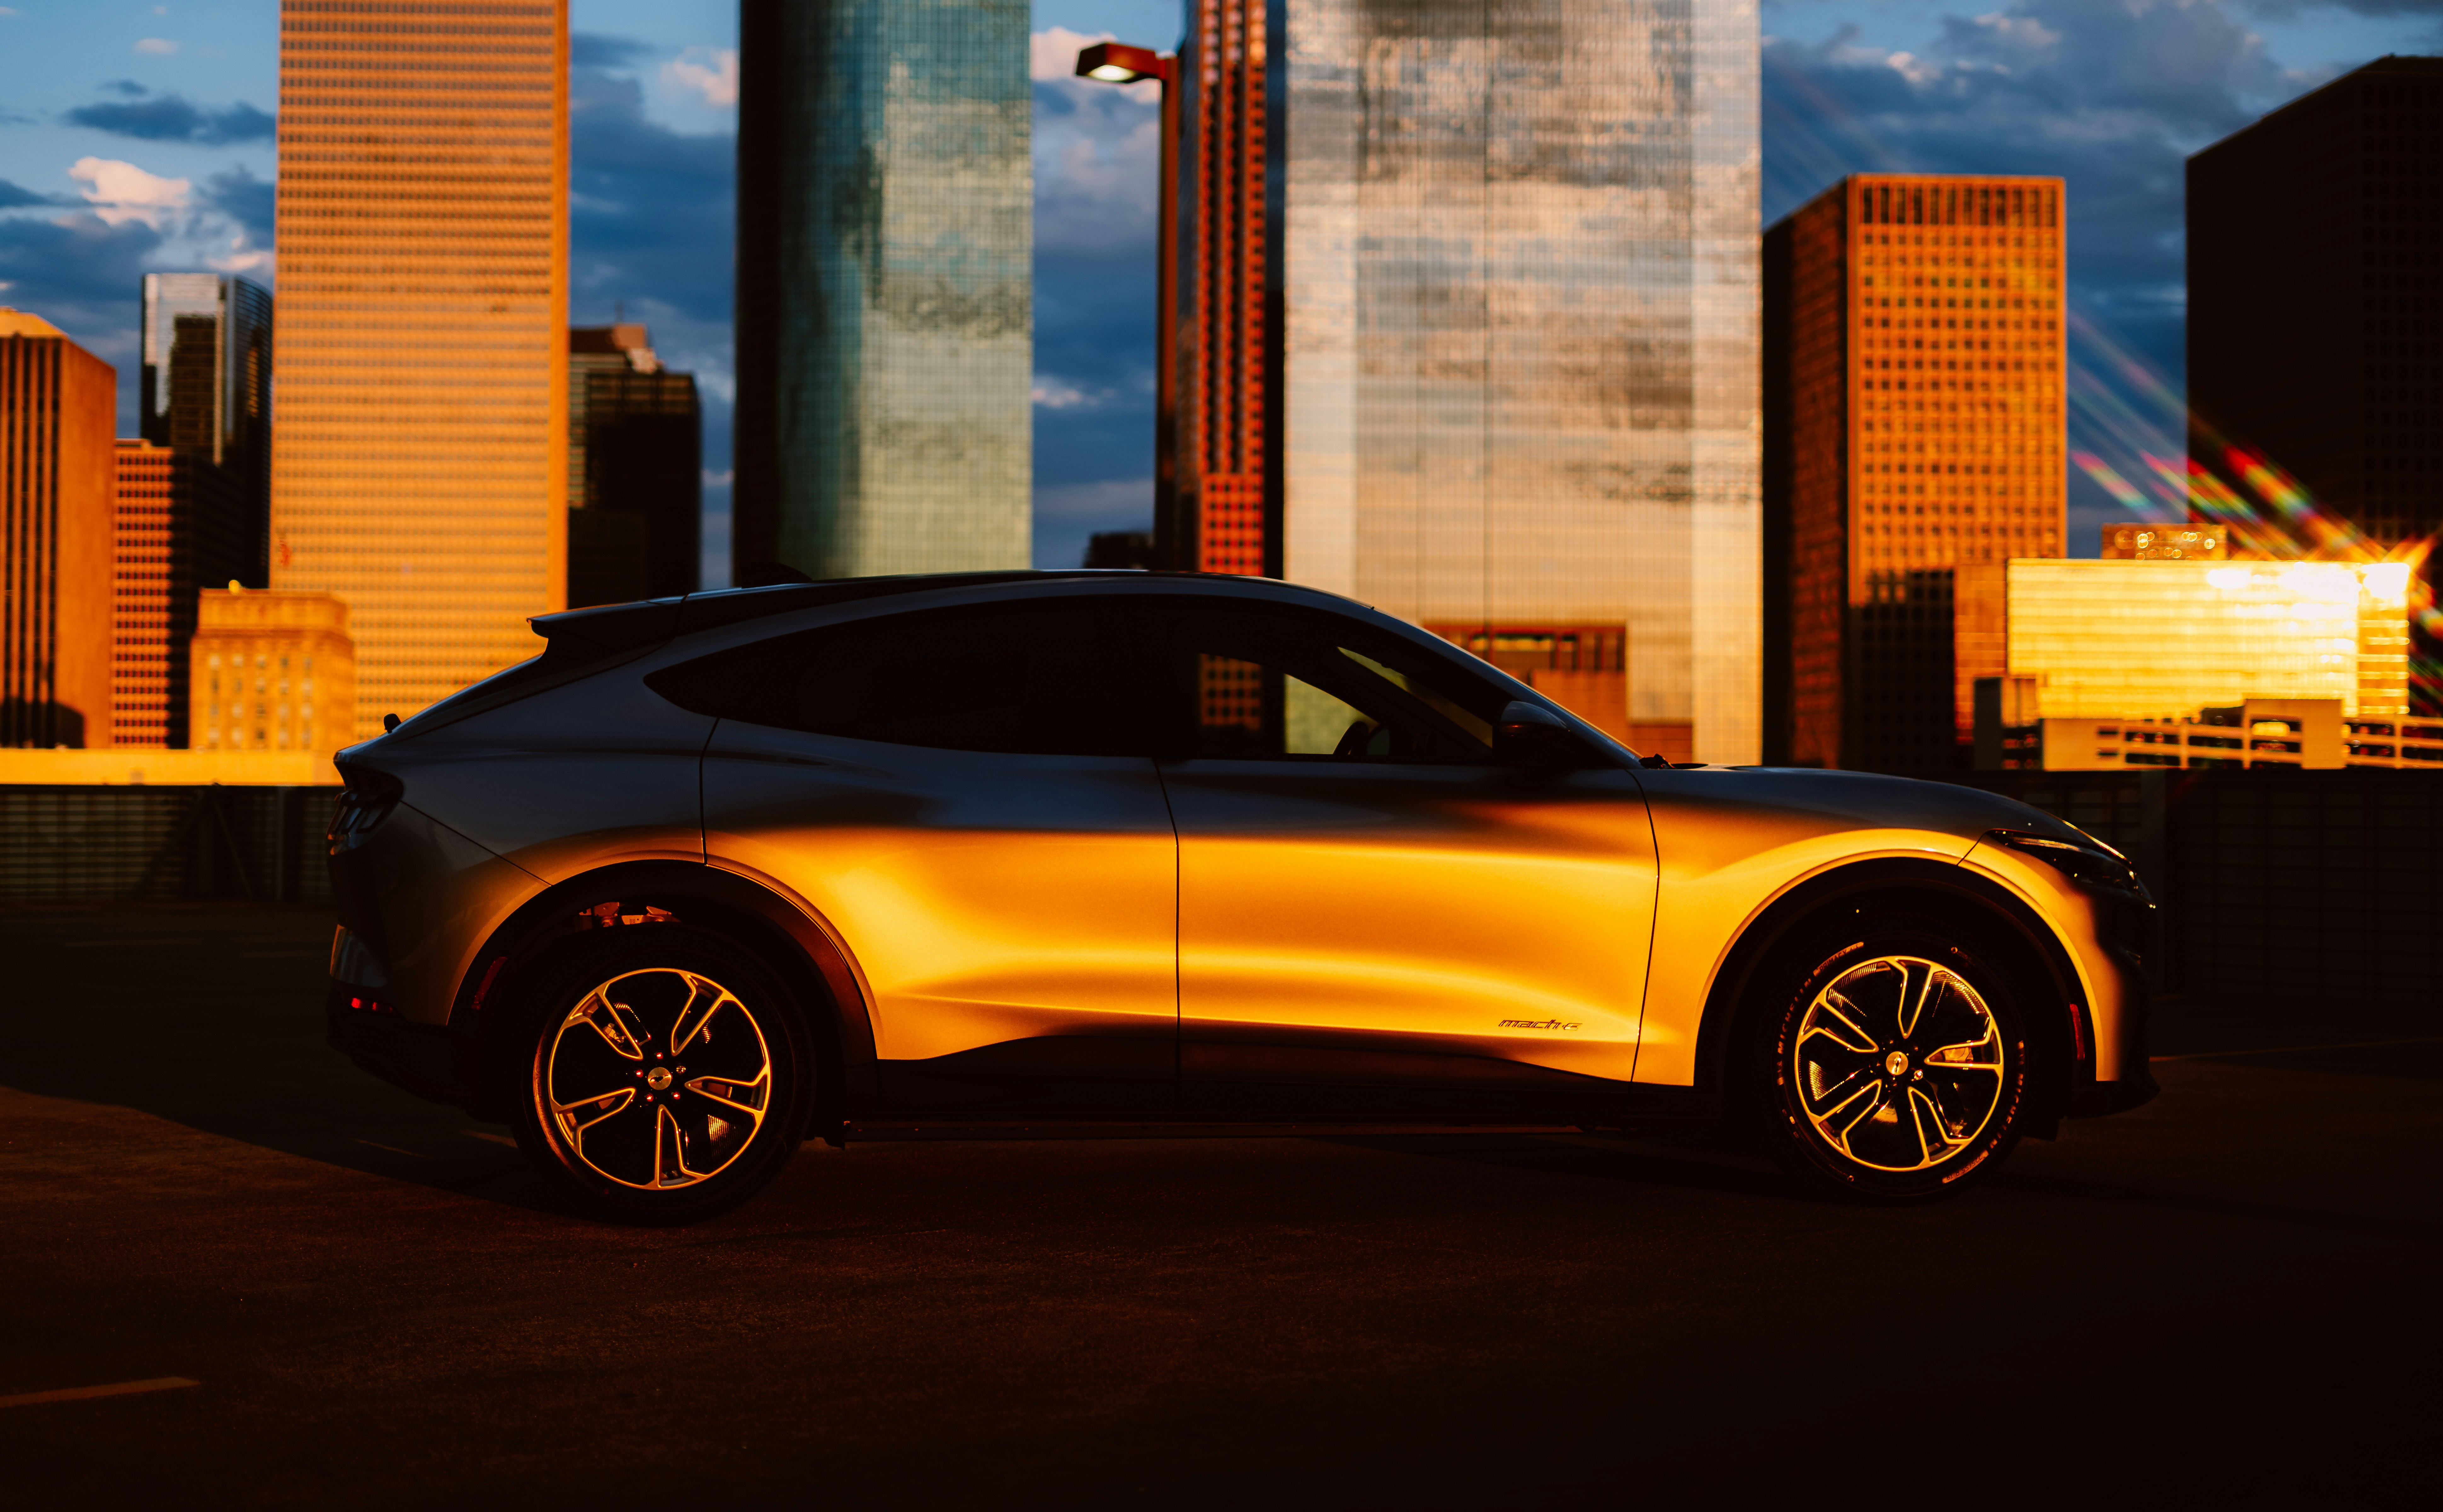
{"x": 93, "y": 844}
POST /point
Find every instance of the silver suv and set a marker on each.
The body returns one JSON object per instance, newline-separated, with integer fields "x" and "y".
{"x": 863, "y": 857}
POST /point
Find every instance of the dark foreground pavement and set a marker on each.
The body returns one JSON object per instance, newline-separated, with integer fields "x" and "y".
{"x": 2230, "y": 1291}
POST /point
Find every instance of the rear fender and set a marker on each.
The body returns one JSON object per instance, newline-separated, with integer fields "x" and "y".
{"x": 803, "y": 951}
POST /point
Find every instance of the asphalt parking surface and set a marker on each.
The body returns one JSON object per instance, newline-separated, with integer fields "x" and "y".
{"x": 2230, "y": 1290}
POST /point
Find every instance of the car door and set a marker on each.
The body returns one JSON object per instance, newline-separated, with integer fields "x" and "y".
{"x": 962, "y": 795}
{"x": 1364, "y": 894}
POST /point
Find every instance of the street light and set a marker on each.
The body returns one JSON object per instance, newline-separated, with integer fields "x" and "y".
{"x": 1116, "y": 63}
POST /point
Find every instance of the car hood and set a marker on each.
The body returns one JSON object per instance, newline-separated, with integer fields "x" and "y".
{"x": 1808, "y": 799}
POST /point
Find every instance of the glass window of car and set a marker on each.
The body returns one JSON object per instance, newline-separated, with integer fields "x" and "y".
{"x": 1265, "y": 681}
{"x": 1063, "y": 676}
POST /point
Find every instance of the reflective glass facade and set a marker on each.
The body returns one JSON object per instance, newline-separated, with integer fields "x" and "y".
{"x": 885, "y": 312}
{"x": 2137, "y": 640}
{"x": 1517, "y": 254}
{"x": 204, "y": 386}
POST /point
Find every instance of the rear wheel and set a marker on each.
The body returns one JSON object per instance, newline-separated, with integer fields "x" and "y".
{"x": 1895, "y": 1066}
{"x": 666, "y": 1073}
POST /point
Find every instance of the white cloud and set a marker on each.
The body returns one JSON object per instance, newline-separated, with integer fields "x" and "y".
{"x": 710, "y": 73}
{"x": 243, "y": 258}
{"x": 122, "y": 192}
{"x": 155, "y": 47}
{"x": 1054, "y": 54}
{"x": 1914, "y": 69}
{"x": 1058, "y": 393}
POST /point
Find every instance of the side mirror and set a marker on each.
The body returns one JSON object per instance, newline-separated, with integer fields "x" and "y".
{"x": 1532, "y": 738}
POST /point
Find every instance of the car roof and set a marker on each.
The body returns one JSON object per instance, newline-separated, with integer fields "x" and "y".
{"x": 608, "y": 628}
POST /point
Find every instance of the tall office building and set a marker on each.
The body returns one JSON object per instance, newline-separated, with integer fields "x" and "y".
{"x": 1914, "y": 428}
{"x": 183, "y": 524}
{"x": 59, "y": 409}
{"x": 635, "y": 471}
{"x": 205, "y": 388}
{"x": 2314, "y": 316}
{"x": 1468, "y": 331}
{"x": 422, "y": 289}
{"x": 885, "y": 274}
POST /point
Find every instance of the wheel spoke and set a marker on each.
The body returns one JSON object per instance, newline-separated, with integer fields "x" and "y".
{"x": 586, "y": 1112}
{"x": 705, "y": 999}
{"x": 1965, "y": 1103}
{"x": 610, "y": 1022}
{"x": 1831, "y": 1067}
{"x": 746, "y": 1098}
{"x": 1852, "y": 1033}
{"x": 1918, "y": 979}
{"x": 1838, "y": 1122}
{"x": 1933, "y": 1134}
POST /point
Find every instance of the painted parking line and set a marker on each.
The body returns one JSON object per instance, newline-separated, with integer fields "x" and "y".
{"x": 2299, "y": 1049}
{"x": 78, "y": 1393}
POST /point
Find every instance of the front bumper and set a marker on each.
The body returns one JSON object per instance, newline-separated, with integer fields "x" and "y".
{"x": 2127, "y": 997}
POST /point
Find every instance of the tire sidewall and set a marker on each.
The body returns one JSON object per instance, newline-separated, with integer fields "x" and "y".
{"x": 1820, "y": 959}
{"x": 574, "y": 969}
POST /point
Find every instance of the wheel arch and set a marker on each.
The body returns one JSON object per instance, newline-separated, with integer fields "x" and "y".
{"x": 2061, "y": 1037}
{"x": 808, "y": 956}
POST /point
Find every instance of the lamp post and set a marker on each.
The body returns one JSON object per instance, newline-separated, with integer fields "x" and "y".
{"x": 1116, "y": 63}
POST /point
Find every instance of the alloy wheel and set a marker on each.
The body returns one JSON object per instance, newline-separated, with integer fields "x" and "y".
{"x": 658, "y": 1078}
{"x": 1898, "y": 1063}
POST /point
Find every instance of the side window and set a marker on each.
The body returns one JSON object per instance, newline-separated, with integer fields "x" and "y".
{"x": 1042, "y": 677}
{"x": 1270, "y": 681}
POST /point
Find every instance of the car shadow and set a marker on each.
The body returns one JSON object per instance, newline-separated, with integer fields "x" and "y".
{"x": 1690, "y": 1161}
{"x": 210, "y": 1015}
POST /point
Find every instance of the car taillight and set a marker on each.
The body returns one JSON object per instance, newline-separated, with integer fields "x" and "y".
{"x": 363, "y": 804}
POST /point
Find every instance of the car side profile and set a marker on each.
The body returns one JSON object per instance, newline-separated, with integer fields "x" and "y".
{"x": 714, "y": 874}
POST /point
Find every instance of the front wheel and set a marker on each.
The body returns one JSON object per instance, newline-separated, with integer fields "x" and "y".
{"x": 665, "y": 1074}
{"x": 1898, "y": 1066}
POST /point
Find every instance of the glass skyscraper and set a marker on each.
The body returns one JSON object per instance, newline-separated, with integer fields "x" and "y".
{"x": 1510, "y": 259}
{"x": 885, "y": 269}
{"x": 205, "y": 387}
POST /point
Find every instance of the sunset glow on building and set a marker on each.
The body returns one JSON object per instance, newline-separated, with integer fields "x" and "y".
{"x": 1916, "y": 417}
{"x": 418, "y": 468}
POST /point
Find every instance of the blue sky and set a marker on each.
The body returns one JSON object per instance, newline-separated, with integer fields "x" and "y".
{"x": 136, "y": 136}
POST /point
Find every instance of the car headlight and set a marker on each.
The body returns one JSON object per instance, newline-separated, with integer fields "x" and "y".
{"x": 2095, "y": 864}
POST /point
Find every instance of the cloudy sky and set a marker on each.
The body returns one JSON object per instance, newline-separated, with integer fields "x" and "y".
{"x": 138, "y": 136}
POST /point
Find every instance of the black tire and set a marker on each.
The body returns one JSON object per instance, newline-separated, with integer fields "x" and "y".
{"x": 703, "y": 1062}
{"x": 1861, "y": 1098}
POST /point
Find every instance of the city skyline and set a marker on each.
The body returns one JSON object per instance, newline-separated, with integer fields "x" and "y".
{"x": 189, "y": 160}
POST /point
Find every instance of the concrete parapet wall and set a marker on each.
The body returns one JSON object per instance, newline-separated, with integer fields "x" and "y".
{"x": 90, "y": 843}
